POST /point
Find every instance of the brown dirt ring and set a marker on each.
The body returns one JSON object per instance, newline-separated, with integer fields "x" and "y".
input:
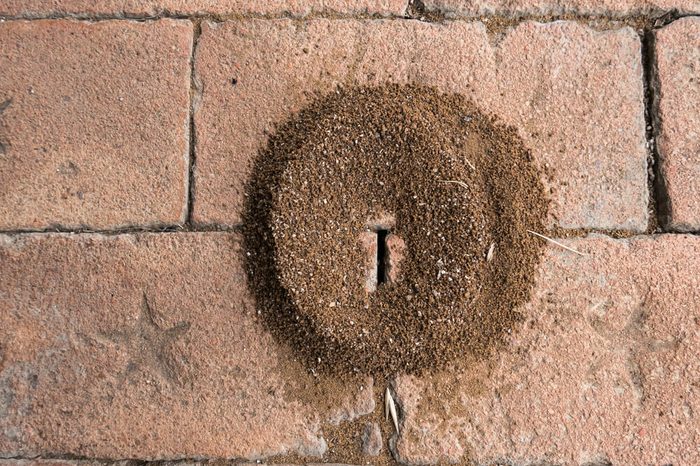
{"x": 441, "y": 176}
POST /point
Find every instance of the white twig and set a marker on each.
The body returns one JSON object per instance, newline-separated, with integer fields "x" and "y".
{"x": 489, "y": 254}
{"x": 461, "y": 183}
{"x": 390, "y": 408}
{"x": 557, "y": 243}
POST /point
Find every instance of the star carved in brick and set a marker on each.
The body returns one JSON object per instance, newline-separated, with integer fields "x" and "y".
{"x": 631, "y": 341}
{"x": 147, "y": 345}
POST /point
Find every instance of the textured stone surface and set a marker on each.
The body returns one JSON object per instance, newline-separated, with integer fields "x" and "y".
{"x": 605, "y": 368}
{"x": 395, "y": 252}
{"x": 43, "y": 462}
{"x": 678, "y": 58}
{"x": 559, "y": 7}
{"x": 33, "y": 8}
{"x": 575, "y": 95}
{"x": 59, "y": 462}
{"x": 371, "y": 439}
{"x": 368, "y": 241}
{"x": 93, "y": 123}
{"x": 147, "y": 346}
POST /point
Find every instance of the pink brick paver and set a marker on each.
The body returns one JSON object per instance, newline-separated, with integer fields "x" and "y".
{"x": 45, "y": 462}
{"x": 147, "y": 346}
{"x": 575, "y": 95}
{"x": 614, "y": 8}
{"x": 678, "y": 58}
{"x": 87, "y": 8}
{"x": 604, "y": 370}
{"x": 94, "y": 123}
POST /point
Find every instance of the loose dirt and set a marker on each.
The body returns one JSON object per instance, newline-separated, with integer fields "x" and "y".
{"x": 362, "y": 153}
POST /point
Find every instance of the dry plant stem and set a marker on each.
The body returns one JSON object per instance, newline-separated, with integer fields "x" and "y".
{"x": 557, "y": 243}
{"x": 390, "y": 409}
{"x": 461, "y": 183}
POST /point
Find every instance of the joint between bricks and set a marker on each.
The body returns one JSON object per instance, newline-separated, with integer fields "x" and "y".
{"x": 659, "y": 200}
{"x": 414, "y": 10}
{"x": 195, "y": 95}
{"x": 176, "y": 228}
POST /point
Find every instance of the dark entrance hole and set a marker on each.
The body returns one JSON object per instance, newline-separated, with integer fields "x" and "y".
{"x": 382, "y": 257}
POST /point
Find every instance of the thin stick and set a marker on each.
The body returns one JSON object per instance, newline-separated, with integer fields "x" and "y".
{"x": 557, "y": 243}
{"x": 489, "y": 254}
{"x": 461, "y": 183}
{"x": 390, "y": 408}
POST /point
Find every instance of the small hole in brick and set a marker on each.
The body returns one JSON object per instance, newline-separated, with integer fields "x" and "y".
{"x": 234, "y": 81}
{"x": 382, "y": 257}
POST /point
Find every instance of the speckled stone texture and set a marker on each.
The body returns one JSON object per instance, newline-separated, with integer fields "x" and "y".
{"x": 614, "y": 8}
{"x": 39, "y": 8}
{"x": 45, "y": 462}
{"x": 678, "y": 59}
{"x": 603, "y": 371}
{"x": 94, "y": 123}
{"x": 574, "y": 94}
{"x": 58, "y": 462}
{"x": 147, "y": 346}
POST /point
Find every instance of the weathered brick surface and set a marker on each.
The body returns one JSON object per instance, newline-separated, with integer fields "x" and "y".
{"x": 615, "y": 8}
{"x": 147, "y": 346}
{"x": 33, "y": 8}
{"x": 575, "y": 95}
{"x": 46, "y": 462}
{"x": 605, "y": 368}
{"x": 678, "y": 55}
{"x": 93, "y": 123}
{"x": 372, "y": 439}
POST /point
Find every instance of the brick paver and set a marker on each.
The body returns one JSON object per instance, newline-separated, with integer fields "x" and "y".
{"x": 678, "y": 55}
{"x": 575, "y": 95}
{"x": 604, "y": 370}
{"x": 613, "y": 8}
{"x": 93, "y": 123}
{"x": 34, "y": 8}
{"x": 147, "y": 346}
{"x": 45, "y": 462}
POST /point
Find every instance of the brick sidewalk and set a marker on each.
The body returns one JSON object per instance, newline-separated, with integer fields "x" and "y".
{"x": 127, "y": 133}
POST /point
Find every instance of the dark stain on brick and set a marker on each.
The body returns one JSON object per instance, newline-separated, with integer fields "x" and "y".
{"x": 4, "y": 143}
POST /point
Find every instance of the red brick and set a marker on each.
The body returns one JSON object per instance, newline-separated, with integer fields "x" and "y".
{"x": 372, "y": 439}
{"x": 604, "y": 369}
{"x": 678, "y": 55}
{"x": 95, "y": 123}
{"x": 368, "y": 242}
{"x": 44, "y": 462}
{"x": 575, "y": 95}
{"x": 148, "y": 346}
{"x": 396, "y": 250}
{"x": 34, "y": 8}
{"x": 615, "y": 8}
